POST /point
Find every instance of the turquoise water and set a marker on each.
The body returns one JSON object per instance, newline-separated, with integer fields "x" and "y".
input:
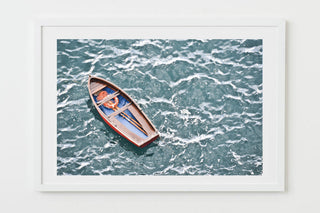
{"x": 203, "y": 96}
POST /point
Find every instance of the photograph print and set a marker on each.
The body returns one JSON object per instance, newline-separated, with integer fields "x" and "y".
{"x": 159, "y": 107}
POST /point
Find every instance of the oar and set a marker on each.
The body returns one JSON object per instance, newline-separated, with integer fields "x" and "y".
{"x": 134, "y": 124}
{"x": 131, "y": 120}
{"x": 130, "y": 117}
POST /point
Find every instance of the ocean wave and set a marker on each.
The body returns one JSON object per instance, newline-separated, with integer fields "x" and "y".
{"x": 175, "y": 140}
{"x": 191, "y": 77}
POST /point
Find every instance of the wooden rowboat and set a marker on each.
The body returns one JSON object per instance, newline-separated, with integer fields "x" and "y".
{"x": 126, "y": 118}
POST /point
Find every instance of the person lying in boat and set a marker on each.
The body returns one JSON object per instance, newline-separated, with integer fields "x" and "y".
{"x": 111, "y": 104}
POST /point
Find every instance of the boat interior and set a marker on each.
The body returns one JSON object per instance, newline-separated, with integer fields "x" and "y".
{"x": 125, "y": 114}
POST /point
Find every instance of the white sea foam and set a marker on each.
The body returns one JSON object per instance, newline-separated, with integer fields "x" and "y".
{"x": 65, "y": 146}
{"x": 83, "y": 164}
{"x": 191, "y": 77}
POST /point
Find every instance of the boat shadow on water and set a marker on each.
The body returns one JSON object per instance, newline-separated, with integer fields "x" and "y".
{"x": 125, "y": 144}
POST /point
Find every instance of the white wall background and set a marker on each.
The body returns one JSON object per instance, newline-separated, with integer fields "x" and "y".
{"x": 303, "y": 144}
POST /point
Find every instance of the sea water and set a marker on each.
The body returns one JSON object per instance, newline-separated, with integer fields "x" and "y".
{"x": 203, "y": 96}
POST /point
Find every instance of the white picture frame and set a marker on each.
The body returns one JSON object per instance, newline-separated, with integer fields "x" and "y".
{"x": 49, "y": 29}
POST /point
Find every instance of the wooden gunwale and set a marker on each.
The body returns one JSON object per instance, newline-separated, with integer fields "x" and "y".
{"x": 119, "y": 110}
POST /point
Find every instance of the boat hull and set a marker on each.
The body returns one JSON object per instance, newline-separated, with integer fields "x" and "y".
{"x": 127, "y": 119}
{"x": 141, "y": 146}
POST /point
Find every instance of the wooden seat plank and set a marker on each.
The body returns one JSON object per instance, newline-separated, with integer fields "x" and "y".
{"x": 97, "y": 87}
{"x": 108, "y": 98}
{"x": 119, "y": 110}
